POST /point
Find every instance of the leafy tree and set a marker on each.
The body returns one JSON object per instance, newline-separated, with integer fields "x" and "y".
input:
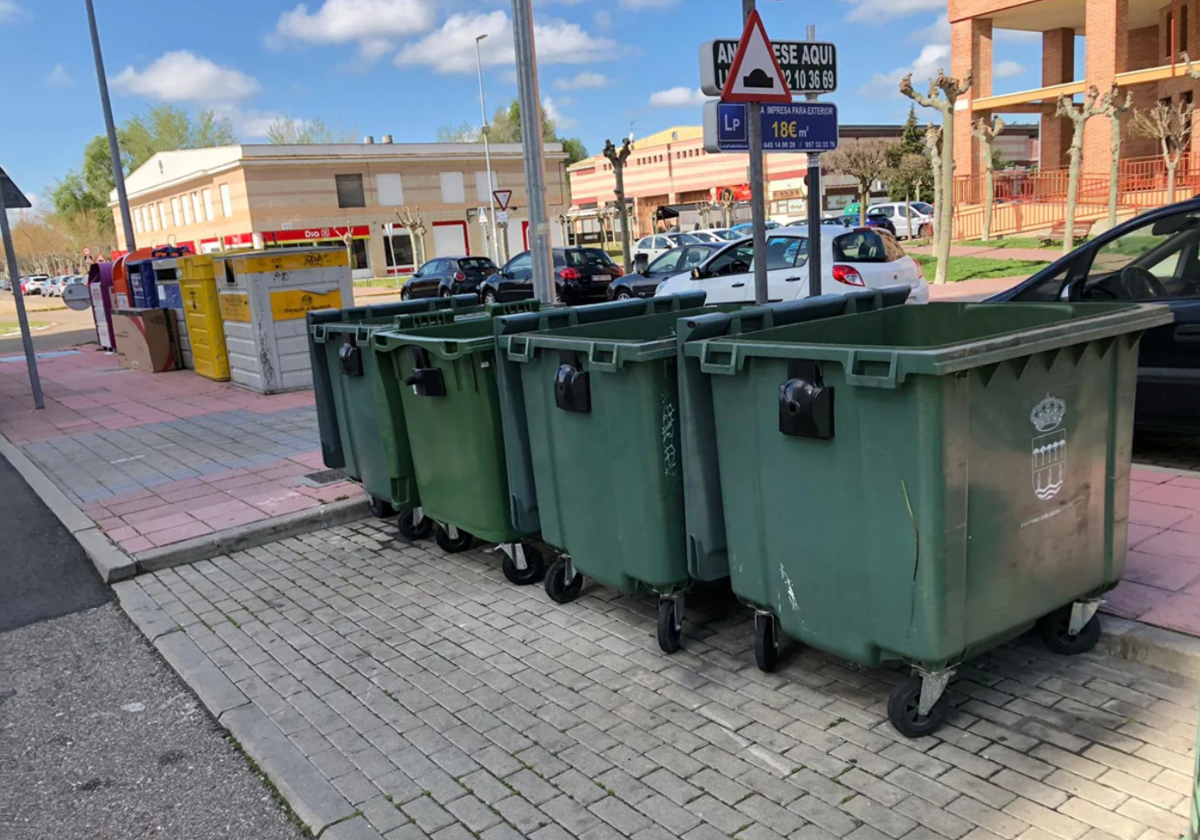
{"x": 464, "y": 132}
{"x": 287, "y": 131}
{"x": 506, "y": 128}
{"x": 863, "y": 160}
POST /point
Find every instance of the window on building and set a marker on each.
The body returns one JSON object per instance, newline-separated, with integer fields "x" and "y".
{"x": 483, "y": 191}
{"x": 358, "y": 255}
{"x": 390, "y": 189}
{"x": 137, "y": 219}
{"x": 197, "y": 207}
{"x": 153, "y": 217}
{"x": 176, "y": 212}
{"x": 453, "y": 190}
{"x": 187, "y": 211}
{"x": 1170, "y": 32}
{"x": 227, "y": 201}
{"x": 162, "y": 214}
{"x": 145, "y": 214}
{"x": 208, "y": 211}
{"x": 1183, "y": 28}
{"x": 350, "y": 191}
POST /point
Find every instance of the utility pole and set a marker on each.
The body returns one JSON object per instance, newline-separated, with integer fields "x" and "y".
{"x": 113, "y": 148}
{"x": 618, "y": 159}
{"x": 487, "y": 154}
{"x": 11, "y": 196}
{"x": 531, "y": 135}
{"x": 814, "y": 206}
{"x": 758, "y": 187}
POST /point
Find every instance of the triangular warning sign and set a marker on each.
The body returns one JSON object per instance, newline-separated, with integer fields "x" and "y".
{"x": 502, "y": 198}
{"x": 755, "y": 75}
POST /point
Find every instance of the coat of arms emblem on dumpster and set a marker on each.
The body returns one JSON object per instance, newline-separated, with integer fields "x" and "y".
{"x": 1049, "y": 448}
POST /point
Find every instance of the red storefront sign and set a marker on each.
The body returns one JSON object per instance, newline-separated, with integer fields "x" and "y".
{"x": 316, "y": 234}
{"x": 237, "y": 240}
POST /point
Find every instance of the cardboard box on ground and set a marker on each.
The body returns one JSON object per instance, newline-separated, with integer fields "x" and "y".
{"x": 147, "y": 340}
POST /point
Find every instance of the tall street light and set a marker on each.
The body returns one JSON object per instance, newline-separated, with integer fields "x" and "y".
{"x": 114, "y": 149}
{"x": 494, "y": 227}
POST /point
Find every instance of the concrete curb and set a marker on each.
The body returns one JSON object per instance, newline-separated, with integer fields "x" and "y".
{"x": 111, "y": 563}
{"x": 1152, "y": 646}
{"x": 254, "y": 534}
{"x": 314, "y": 798}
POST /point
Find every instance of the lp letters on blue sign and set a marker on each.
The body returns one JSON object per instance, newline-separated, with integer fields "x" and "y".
{"x": 794, "y": 127}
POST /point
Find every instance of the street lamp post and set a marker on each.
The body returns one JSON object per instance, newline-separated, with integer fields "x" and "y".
{"x": 114, "y": 149}
{"x": 487, "y": 153}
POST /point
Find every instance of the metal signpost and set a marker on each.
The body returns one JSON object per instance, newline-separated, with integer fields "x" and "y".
{"x": 756, "y": 114}
{"x": 12, "y": 197}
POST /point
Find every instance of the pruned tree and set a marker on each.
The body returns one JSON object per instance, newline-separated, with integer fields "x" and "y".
{"x": 986, "y": 132}
{"x": 943, "y": 95}
{"x": 464, "y": 132}
{"x": 933, "y": 145}
{"x": 1113, "y": 108}
{"x": 1192, "y": 72}
{"x": 286, "y": 131}
{"x": 1171, "y": 127}
{"x": 1078, "y": 115}
{"x": 863, "y": 160}
{"x": 618, "y": 157}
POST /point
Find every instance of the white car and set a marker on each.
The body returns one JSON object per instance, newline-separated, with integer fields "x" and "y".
{"x": 36, "y": 285}
{"x": 657, "y": 245}
{"x": 864, "y": 258}
{"x": 914, "y": 220}
{"x": 715, "y": 236}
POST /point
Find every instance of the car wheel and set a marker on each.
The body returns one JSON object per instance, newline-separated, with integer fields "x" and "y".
{"x": 444, "y": 292}
{"x": 405, "y": 293}
{"x": 623, "y": 294}
{"x": 489, "y": 296}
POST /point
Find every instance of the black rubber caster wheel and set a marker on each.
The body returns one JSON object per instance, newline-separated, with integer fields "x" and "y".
{"x": 904, "y": 710}
{"x": 381, "y": 509}
{"x": 411, "y": 531}
{"x": 535, "y": 567}
{"x": 1056, "y": 631}
{"x": 766, "y": 643}
{"x": 452, "y": 545}
{"x": 556, "y": 583}
{"x": 669, "y": 629}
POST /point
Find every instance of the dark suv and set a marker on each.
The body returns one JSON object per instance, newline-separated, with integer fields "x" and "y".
{"x": 581, "y": 275}
{"x": 446, "y": 276}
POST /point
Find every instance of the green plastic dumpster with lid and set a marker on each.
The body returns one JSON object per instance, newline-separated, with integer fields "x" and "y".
{"x": 922, "y": 483}
{"x": 361, "y": 422}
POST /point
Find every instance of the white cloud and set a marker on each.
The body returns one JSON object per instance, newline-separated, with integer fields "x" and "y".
{"x": 550, "y": 107}
{"x": 369, "y": 23}
{"x": 603, "y": 19}
{"x": 937, "y": 32}
{"x": 1018, "y": 35}
{"x": 647, "y": 4}
{"x": 184, "y": 77}
{"x": 1004, "y": 69}
{"x": 451, "y": 49}
{"x": 583, "y": 80}
{"x": 933, "y": 57}
{"x": 10, "y": 11}
{"x": 59, "y": 77}
{"x": 880, "y": 11}
{"x": 677, "y": 97}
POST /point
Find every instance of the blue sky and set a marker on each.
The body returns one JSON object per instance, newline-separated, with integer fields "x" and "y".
{"x": 403, "y": 67}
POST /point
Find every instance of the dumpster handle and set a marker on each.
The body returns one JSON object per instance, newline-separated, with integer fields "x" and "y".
{"x": 717, "y": 358}
{"x": 854, "y": 358}
{"x": 318, "y": 333}
{"x": 518, "y": 348}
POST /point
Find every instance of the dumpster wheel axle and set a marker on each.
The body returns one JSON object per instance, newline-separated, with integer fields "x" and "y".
{"x": 907, "y": 699}
{"x": 452, "y": 540}
{"x": 523, "y": 563}
{"x": 563, "y": 583}
{"x": 414, "y": 525}
{"x": 670, "y": 622}
{"x": 381, "y": 509}
{"x": 766, "y": 641}
{"x": 1056, "y": 628}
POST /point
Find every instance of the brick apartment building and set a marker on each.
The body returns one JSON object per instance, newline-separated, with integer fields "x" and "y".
{"x": 1132, "y": 43}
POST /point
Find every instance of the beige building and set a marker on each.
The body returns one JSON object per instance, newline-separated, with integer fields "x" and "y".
{"x": 266, "y": 196}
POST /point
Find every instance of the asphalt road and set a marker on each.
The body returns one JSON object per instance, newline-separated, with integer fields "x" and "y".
{"x": 98, "y": 736}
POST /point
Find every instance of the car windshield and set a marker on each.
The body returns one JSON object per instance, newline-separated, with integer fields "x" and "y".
{"x": 704, "y": 236}
{"x": 589, "y": 257}
{"x": 476, "y": 264}
{"x": 922, "y": 208}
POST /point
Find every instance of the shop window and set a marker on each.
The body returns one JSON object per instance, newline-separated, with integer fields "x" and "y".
{"x": 350, "y": 191}
{"x": 358, "y": 255}
{"x": 398, "y": 250}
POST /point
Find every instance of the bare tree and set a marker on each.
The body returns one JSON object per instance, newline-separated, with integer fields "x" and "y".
{"x": 986, "y": 133}
{"x": 933, "y": 144}
{"x": 618, "y": 157}
{"x": 1171, "y": 126}
{"x": 943, "y": 95}
{"x": 865, "y": 161}
{"x": 1079, "y": 117}
{"x": 1112, "y": 107}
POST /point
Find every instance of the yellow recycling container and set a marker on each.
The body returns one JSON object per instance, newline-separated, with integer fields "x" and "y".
{"x": 202, "y": 310}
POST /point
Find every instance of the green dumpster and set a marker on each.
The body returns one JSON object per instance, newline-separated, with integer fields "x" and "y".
{"x": 356, "y": 415}
{"x": 922, "y": 483}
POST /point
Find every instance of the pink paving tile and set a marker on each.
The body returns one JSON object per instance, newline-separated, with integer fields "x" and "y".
{"x": 131, "y": 496}
{"x": 1132, "y": 600}
{"x": 235, "y": 520}
{"x": 126, "y": 532}
{"x": 108, "y": 523}
{"x": 251, "y": 491}
{"x": 149, "y": 514}
{"x": 212, "y": 497}
{"x": 164, "y": 523}
{"x": 1188, "y": 526}
{"x": 332, "y": 493}
{"x": 233, "y": 483}
{"x": 1170, "y": 573}
{"x": 212, "y": 478}
{"x": 1185, "y": 481}
{"x": 1179, "y": 612}
{"x": 290, "y": 504}
{"x": 136, "y": 544}
{"x": 94, "y": 508}
{"x": 1138, "y": 533}
{"x": 187, "y": 532}
{"x": 1170, "y": 494}
{"x": 147, "y": 502}
{"x": 1173, "y": 544}
{"x": 186, "y": 494}
{"x": 216, "y": 511}
{"x": 1160, "y": 516}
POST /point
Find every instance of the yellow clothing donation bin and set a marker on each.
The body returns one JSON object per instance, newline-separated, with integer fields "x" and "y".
{"x": 202, "y": 312}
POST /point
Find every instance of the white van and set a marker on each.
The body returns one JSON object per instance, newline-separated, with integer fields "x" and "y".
{"x": 918, "y": 225}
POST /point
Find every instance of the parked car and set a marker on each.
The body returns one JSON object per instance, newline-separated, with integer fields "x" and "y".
{"x": 34, "y": 284}
{"x": 446, "y": 276}
{"x": 914, "y": 220}
{"x": 877, "y": 220}
{"x": 747, "y": 229}
{"x": 581, "y": 275}
{"x": 1154, "y": 258}
{"x": 680, "y": 260}
{"x": 851, "y": 259}
{"x": 709, "y": 237}
{"x": 654, "y": 246}
{"x": 54, "y": 286}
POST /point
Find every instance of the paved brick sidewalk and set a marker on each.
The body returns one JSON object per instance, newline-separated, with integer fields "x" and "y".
{"x": 441, "y": 701}
{"x": 156, "y": 459}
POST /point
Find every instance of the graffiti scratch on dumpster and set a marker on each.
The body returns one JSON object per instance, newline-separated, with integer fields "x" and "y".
{"x": 787, "y": 581}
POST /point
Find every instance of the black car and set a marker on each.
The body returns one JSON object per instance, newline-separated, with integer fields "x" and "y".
{"x": 448, "y": 276}
{"x": 876, "y": 220}
{"x": 1154, "y": 258}
{"x": 676, "y": 261}
{"x": 581, "y": 275}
